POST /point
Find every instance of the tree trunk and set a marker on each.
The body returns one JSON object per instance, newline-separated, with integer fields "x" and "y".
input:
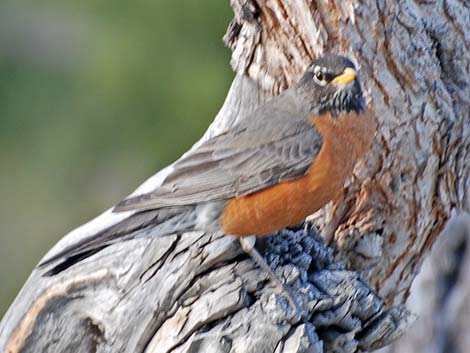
{"x": 444, "y": 317}
{"x": 199, "y": 293}
{"x": 415, "y": 65}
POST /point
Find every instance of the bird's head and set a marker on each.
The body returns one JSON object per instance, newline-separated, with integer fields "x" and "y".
{"x": 330, "y": 85}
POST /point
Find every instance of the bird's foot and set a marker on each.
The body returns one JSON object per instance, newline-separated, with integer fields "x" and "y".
{"x": 248, "y": 245}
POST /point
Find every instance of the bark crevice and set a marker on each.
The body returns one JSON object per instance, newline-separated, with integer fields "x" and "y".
{"x": 199, "y": 294}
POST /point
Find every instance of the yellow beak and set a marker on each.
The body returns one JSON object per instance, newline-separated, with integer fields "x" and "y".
{"x": 347, "y": 76}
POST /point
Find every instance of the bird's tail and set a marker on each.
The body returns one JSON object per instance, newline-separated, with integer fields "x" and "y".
{"x": 160, "y": 222}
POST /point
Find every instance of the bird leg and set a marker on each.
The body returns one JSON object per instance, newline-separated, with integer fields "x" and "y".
{"x": 248, "y": 245}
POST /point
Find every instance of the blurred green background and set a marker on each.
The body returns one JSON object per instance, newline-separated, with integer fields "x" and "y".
{"x": 95, "y": 97}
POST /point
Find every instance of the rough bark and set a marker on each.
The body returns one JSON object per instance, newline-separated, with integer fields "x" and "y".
{"x": 415, "y": 65}
{"x": 200, "y": 293}
{"x": 444, "y": 315}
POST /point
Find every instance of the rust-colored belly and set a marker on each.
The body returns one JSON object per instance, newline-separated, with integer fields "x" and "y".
{"x": 345, "y": 139}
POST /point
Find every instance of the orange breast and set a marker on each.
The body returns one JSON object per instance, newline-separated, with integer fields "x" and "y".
{"x": 345, "y": 139}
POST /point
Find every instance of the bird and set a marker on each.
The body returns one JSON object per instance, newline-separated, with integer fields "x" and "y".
{"x": 285, "y": 160}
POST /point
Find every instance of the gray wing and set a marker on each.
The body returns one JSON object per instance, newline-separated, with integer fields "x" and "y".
{"x": 270, "y": 147}
{"x": 251, "y": 157}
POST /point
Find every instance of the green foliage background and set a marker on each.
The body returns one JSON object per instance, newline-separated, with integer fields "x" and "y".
{"x": 95, "y": 97}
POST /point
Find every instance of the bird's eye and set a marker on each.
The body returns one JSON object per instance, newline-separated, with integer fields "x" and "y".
{"x": 321, "y": 77}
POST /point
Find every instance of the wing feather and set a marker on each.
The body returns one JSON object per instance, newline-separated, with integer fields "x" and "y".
{"x": 247, "y": 159}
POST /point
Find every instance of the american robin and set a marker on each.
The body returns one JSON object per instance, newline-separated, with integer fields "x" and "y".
{"x": 283, "y": 162}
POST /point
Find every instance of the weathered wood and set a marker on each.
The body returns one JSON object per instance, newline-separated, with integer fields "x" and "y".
{"x": 415, "y": 65}
{"x": 200, "y": 293}
{"x": 440, "y": 296}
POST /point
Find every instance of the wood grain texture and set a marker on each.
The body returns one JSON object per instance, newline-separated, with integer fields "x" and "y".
{"x": 199, "y": 293}
{"x": 415, "y": 66}
{"x": 444, "y": 315}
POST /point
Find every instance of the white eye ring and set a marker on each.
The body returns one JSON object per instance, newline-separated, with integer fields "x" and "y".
{"x": 319, "y": 77}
